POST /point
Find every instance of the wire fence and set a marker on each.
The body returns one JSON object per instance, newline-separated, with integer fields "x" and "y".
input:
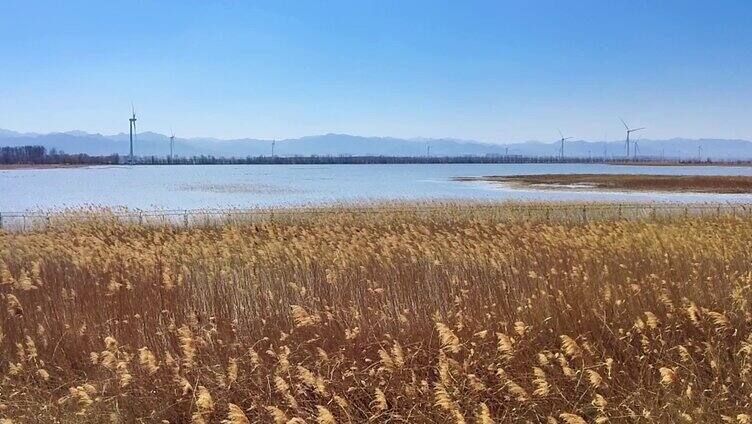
{"x": 28, "y": 221}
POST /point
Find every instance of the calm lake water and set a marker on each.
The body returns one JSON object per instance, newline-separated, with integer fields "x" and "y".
{"x": 192, "y": 187}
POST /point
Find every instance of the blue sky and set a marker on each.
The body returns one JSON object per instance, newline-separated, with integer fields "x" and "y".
{"x": 497, "y": 71}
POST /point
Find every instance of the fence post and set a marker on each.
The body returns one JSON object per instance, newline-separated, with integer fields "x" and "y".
{"x": 584, "y": 214}
{"x": 185, "y": 218}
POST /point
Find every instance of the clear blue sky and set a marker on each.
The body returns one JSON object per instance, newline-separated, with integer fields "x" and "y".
{"x": 494, "y": 71}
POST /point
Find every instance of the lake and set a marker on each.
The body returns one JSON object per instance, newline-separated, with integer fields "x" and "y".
{"x": 195, "y": 187}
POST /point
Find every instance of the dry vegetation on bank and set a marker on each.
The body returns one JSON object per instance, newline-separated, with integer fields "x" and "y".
{"x": 38, "y": 166}
{"x": 681, "y": 183}
{"x": 387, "y": 317}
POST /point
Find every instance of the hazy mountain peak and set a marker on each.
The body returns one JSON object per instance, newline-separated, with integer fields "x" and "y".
{"x": 77, "y": 133}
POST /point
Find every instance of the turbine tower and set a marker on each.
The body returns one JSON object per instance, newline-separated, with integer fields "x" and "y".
{"x": 172, "y": 142}
{"x": 629, "y": 131}
{"x": 132, "y": 130}
{"x": 562, "y": 140}
{"x": 274, "y": 143}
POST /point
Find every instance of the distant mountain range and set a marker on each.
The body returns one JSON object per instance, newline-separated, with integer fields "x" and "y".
{"x": 154, "y": 144}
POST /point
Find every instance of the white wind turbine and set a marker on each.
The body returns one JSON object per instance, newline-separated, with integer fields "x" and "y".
{"x": 629, "y": 131}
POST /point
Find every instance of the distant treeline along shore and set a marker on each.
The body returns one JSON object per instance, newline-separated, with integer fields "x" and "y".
{"x": 38, "y": 155}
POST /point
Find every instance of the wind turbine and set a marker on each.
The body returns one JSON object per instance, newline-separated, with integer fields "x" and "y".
{"x": 699, "y": 153}
{"x": 274, "y": 143}
{"x": 636, "y": 150}
{"x": 562, "y": 140}
{"x": 172, "y": 142}
{"x": 629, "y": 131}
{"x": 132, "y": 130}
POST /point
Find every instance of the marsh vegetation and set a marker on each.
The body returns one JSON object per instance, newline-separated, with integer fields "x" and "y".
{"x": 638, "y": 182}
{"x": 452, "y": 315}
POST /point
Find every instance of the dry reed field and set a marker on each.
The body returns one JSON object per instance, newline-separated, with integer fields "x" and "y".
{"x": 456, "y": 315}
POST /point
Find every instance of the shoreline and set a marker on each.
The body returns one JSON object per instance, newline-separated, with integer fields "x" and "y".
{"x": 392, "y": 160}
{"x": 680, "y": 164}
{"x": 41, "y": 166}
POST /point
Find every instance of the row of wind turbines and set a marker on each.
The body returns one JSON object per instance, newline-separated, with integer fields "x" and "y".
{"x": 132, "y": 130}
{"x": 629, "y": 133}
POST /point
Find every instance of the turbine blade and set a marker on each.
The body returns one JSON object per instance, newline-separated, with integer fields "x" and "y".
{"x": 625, "y": 124}
{"x": 638, "y": 129}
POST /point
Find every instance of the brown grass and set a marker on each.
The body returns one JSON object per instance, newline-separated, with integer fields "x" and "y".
{"x": 685, "y": 183}
{"x": 386, "y": 317}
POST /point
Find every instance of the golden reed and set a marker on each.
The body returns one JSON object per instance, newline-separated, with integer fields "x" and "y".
{"x": 456, "y": 316}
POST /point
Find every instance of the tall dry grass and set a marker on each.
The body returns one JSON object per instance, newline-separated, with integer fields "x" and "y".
{"x": 451, "y": 316}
